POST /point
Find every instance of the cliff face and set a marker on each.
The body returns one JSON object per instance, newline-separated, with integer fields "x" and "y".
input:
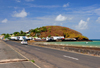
{"x": 57, "y": 31}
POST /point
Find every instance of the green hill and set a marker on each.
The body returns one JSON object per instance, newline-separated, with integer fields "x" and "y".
{"x": 57, "y": 31}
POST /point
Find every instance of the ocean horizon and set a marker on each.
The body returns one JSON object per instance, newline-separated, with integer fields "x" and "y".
{"x": 94, "y": 39}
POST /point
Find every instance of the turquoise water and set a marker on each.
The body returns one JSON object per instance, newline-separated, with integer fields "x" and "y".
{"x": 91, "y": 44}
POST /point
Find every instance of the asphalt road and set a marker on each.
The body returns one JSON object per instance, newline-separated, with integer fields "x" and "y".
{"x": 9, "y": 58}
{"x": 60, "y": 59}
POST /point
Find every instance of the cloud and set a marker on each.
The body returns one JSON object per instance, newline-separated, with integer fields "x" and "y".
{"x": 70, "y": 18}
{"x": 29, "y": 23}
{"x": 18, "y": 0}
{"x": 43, "y": 6}
{"x": 15, "y": 7}
{"x": 66, "y": 5}
{"x": 29, "y": 0}
{"x": 97, "y": 11}
{"x": 88, "y": 19}
{"x": 4, "y": 21}
{"x": 98, "y": 20}
{"x": 60, "y": 18}
{"x": 20, "y": 14}
{"x": 82, "y": 24}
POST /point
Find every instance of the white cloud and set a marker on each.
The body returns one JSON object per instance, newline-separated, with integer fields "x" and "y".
{"x": 60, "y": 18}
{"x": 82, "y": 24}
{"x": 20, "y": 14}
{"x": 70, "y": 18}
{"x": 4, "y": 21}
{"x": 66, "y": 5}
{"x": 88, "y": 19}
{"x": 15, "y": 7}
{"x": 18, "y": 0}
{"x": 29, "y": 0}
{"x": 97, "y": 11}
{"x": 98, "y": 20}
{"x": 43, "y": 6}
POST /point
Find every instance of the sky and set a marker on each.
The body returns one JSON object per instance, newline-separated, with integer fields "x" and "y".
{"x": 80, "y": 15}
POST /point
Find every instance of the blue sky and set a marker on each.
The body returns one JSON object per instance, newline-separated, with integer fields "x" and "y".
{"x": 80, "y": 15}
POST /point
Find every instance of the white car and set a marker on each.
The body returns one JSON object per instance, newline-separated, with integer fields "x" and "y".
{"x": 24, "y": 42}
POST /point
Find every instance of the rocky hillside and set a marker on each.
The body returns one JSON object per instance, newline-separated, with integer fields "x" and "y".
{"x": 57, "y": 31}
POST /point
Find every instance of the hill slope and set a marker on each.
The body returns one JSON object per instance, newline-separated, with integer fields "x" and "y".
{"x": 57, "y": 31}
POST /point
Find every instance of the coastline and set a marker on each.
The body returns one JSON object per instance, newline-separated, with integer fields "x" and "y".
{"x": 94, "y": 51}
{"x": 64, "y": 45}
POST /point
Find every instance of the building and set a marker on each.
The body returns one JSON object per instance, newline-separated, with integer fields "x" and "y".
{"x": 1, "y": 36}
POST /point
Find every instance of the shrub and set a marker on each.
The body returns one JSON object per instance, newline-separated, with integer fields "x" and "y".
{"x": 57, "y": 35}
{"x": 67, "y": 35}
{"x": 49, "y": 35}
{"x": 64, "y": 29}
{"x": 49, "y": 28}
{"x": 44, "y": 29}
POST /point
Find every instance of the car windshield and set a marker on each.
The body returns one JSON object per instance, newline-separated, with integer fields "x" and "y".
{"x": 24, "y": 41}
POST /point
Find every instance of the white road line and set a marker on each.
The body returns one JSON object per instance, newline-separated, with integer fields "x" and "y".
{"x": 71, "y": 57}
{"x": 37, "y": 48}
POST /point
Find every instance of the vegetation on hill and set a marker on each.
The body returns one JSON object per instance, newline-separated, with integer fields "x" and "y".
{"x": 21, "y": 33}
{"x": 48, "y": 31}
{"x": 57, "y": 31}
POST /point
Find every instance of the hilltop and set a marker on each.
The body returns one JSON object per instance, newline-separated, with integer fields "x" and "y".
{"x": 57, "y": 31}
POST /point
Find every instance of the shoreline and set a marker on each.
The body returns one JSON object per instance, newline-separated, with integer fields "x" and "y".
{"x": 73, "y": 45}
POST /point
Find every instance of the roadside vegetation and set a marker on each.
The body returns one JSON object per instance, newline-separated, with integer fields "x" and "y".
{"x": 21, "y": 33}
{"x": 32, "y": 61}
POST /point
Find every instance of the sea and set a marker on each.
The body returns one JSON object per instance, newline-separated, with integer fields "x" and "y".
{"x": 92, "y": 43}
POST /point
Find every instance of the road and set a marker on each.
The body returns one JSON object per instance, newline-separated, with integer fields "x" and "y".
{"x": 60, "y": 59}
{"x": 9, "y": 58}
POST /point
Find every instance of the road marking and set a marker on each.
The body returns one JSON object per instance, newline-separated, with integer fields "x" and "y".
{"x": 71, "y": 57}
{"x": 12, "y": 60}
{"x": 37, "y": 48}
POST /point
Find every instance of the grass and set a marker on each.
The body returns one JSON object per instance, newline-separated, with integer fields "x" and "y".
{"x": 32, "y": 61}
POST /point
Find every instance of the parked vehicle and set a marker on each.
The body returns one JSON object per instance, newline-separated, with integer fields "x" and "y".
{"x": 21, "y": 38}
{"x": 37, "y": 39}
{"x": 28, "y": 38}
{"x": 24, "y": 42}
{"x": 55, "y": 38}
{"x": 14, "y": 38}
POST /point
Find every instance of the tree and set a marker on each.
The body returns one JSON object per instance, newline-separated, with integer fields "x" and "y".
{"x": 31, "y": 30}
{"x": 67, "y": 35}
{"x": 49, "y": 35}
{"x": 44, "y": 29}
{"x": 3, "y": 34}
{"x": 7, "y": 36}
{"x": 21, "y": 32}
{"x": 16, "y": 33}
